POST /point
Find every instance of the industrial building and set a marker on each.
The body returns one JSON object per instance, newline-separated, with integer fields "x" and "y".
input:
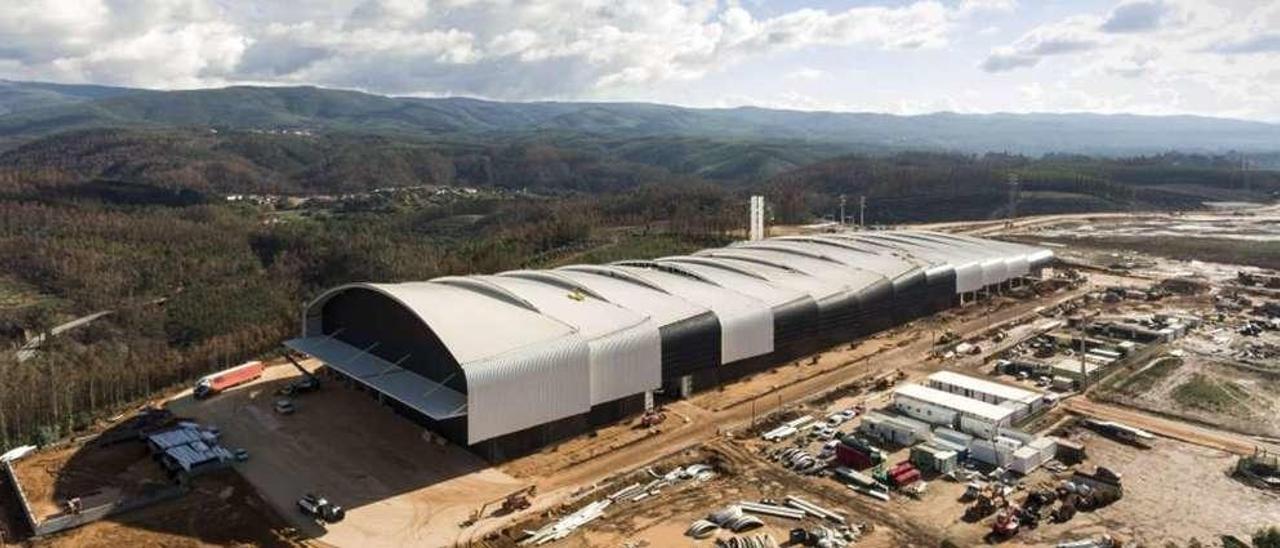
{"x": 507, "y": 363}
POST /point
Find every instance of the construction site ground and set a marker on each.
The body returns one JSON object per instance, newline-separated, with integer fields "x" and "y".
{"x": 402, "y": 489}
{"x": 220, "y": 509}
{"x": 91, "y": 472}
{"x": 399, "y": 489}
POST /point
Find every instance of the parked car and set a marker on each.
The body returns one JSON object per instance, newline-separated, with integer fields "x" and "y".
{"x": 284, "y": 407}
{"x": 241, "y": 455}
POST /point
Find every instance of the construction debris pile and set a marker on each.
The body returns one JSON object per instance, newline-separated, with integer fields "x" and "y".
{"x": 1261, "y": 469}
{"x": 834, "y": 533}
{"x": 757, "y": 541}
{"x": 630, "y": 494}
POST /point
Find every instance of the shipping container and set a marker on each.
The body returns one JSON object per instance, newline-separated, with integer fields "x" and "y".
{"x": 906, "y": 478}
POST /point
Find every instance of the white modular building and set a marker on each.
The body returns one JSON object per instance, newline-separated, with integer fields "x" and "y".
{"x": 1022, "y": 401}
{"x": 934, "y": 406}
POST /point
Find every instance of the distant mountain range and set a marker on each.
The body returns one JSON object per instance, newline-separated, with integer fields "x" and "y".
{"x": 32, "y": 110}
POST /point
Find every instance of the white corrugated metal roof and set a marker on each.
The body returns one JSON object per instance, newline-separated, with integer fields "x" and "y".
{"x": 746, "y": 323}
{"x": 472, "y": 325}
{"x": 998, "y": 390}
{"x": 819, "y": 289}
{"x": 730, "y": 278}
{"x": 954, "y": 402}
{"x": 886, "y": 264}
{"x": 796, "y": 258}
{"x": 662, "y": 307}
{"x": 626, "y": 353}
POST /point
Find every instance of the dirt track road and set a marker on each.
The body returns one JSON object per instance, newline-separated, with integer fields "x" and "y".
{"x": 1190, "y": 433}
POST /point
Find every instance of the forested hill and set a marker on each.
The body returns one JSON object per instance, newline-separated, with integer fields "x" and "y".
{"x": 35, "y": 110}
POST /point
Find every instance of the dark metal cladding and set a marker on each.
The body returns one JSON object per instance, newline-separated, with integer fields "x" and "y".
{"x": 877, "y": 308}
{"x": 942, "y": 288}
{"x": 793, "y": 325}
{"x": 911, "y": 297}
{"x": 690, "y": 346}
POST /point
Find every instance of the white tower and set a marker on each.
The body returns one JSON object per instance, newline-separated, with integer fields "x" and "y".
{"x": 757, "y": 218}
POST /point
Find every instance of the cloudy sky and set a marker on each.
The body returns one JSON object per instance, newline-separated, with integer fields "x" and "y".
{"x": 1210, "y": 57}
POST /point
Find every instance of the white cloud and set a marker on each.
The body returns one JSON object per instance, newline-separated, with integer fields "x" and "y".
{"x": 1180, "y": 56}
{"x": 497, "y": 48}
{"x": 806, "y": 74}
{"x": 1070, "y": 36}
{"x": 1138, "y": 16}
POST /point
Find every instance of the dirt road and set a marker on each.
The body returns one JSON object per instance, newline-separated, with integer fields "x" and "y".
{"x": 1207, "y": 437}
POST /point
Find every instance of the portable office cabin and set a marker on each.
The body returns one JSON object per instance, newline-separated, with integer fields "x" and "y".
{"x": 1023, "y": 402}
{"x": 937, "y": 407}
{"x": 893, "y": 429}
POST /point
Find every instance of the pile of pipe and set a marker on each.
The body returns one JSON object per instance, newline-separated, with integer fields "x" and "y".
{"x": 799, "y": 460}
{"x": 731, "y": 518}
{"x": 814, "y": 510}
{"x": 640, "y": 491}
{"x": 826, "y": 537}
{"x": 568, "y": 524}
{"x": 771, "y": 510}
{"x": 757, "y": 541}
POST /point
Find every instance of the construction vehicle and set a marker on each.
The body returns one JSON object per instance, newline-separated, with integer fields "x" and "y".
{"x": 653, "y": 417}
{"x": 209, "y": 385}
{"x": 515, "y": 501}
{"x": 1007, "y": 523}
{"x": 320, "y": 509}
{"x": 888, "y": 380}
{"x": 947, "y": 337}
{"x": 983, "y": 506}
{"x": 308, "y": 383}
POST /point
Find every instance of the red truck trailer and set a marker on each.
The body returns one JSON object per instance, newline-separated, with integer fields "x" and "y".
{"x": 209, "y": 385}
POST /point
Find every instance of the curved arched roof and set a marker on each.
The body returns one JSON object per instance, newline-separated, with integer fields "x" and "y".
{"x": 537, "y": 346}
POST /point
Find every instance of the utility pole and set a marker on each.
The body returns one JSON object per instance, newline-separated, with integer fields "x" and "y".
{"x": 1013, "y": 197}
{"x": 862, "y": 211}
{"x": 842, "y": 217}
{"x": 1244, "y": 171}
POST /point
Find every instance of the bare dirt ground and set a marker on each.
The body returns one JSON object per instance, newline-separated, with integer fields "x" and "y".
{"x": 398, "y": 489}
{"x": 662, "y": 520}
{"x": 1175, "y": 492}
{"x": 221, "y": 510}
{"x": 48, "y": 478}
{"x": 1206, "y": 437}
